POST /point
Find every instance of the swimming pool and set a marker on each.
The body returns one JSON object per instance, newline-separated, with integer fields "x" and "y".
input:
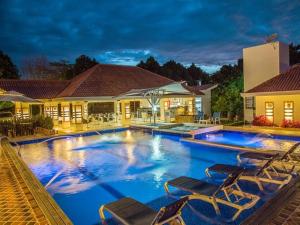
{"x": 82, "y": 173}
{"x": 247, "y": 139}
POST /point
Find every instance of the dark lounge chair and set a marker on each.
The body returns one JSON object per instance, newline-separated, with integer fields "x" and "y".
{"x": 228, "y": 193}
{"x": 265, "y": 174}
{"x": 131, "y": 212}
{"x": 268, "y": 155}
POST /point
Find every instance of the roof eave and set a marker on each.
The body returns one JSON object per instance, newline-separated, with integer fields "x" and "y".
{"x": 251, "y": 94}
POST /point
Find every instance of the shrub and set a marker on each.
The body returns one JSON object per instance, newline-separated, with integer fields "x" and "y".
{"x": 262, "y": 121}
{"x": 290, "y": 124}
{"x": 44, "y": 122}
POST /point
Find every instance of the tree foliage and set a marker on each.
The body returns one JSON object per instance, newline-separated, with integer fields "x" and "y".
{"x": 226, "y": 98}
{"x": 176, "y": 71}
{"x": 294, "y": 53}
{"x": 8, "y": 70}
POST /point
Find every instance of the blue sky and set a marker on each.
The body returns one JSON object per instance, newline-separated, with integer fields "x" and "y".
{"x": 209, "y": 33}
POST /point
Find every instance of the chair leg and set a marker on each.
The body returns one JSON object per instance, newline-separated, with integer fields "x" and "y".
{"x": 216, "y": 207}
{"x": 166, "y": 187}
{"x": 236, "y": 215}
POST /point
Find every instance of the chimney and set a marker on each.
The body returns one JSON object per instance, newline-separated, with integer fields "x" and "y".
{"x": 264, "y": 62}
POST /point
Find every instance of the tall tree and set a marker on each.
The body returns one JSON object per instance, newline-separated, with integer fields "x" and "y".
{"x": 197, "y": 74}
{"x": 228, "y": 73}
{"x": 226, "y": 98}
{"x": 294, "y": 54}
{"x": 8, "y": 70}
{"x": 83, "y": 63}
{"x": 151, "y": 64}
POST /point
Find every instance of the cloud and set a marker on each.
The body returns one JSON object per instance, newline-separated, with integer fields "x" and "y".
{"x": 208, "y": 33}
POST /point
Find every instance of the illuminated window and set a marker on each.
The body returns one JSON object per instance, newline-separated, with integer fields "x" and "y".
{"x": 22, "y": 113}
{"x": 77, "y": 113}
{"x": 167, "y": 105}
{"x": 190, "y": 106}
{"x": 270, "y": 111}
{"x": 127, "y": 111}
{"x": 288, "y": 110}
{"x": 52, "y": 111}
{"x": 250, "y": 102}
{"x": 198, "y": 104}
{"x": 66, "y": 113}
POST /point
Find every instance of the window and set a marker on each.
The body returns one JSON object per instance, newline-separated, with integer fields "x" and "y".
{"x": 198, "y": 104}
{"x": 288, "y": 110}
{"x": 127, "y": 111}
{"x": 66, "y": 113}
{"x": 134, "y": 106}
{"x": 269, "y": 108}
{"x": 191, "y": 107}
{"x": 77, "y": 113}
{"x": 250, "y": 102}
{"x": 52, "y": 111}
{"x": 166, "y": 105}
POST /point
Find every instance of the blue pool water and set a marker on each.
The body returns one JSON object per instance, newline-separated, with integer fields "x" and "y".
{"x": 251, "y": 140}
{"x": 93, "y": 170}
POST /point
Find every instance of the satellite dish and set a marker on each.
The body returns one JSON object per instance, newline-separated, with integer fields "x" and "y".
{"x": 271, "y": 38}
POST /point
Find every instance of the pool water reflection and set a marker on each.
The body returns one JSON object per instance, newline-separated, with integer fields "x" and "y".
{"x": 82, "y": 173}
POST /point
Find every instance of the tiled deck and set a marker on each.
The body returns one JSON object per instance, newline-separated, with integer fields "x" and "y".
{"x": 23, "y": 200}
{"x": 290, "y": 213}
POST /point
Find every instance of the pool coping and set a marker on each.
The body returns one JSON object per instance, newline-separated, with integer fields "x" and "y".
{"x": 38, "y": 194}
{"x": 73, "y": 134}
{"x": 227, "y": 146}
{"x": 270, "y": 130}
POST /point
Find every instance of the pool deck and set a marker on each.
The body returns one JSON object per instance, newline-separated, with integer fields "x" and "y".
{"x": 268, "y": 130}
{"x": 23, "y": 199}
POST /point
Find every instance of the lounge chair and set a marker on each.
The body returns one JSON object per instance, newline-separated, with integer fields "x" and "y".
{"x": 268, "y": 155}
{"x": 131, "y": 212}
{"x": 265, "y": 174}
{"x": 214, "y": 194}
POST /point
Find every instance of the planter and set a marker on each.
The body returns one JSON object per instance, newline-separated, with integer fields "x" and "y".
{"x": 44, "y": 131}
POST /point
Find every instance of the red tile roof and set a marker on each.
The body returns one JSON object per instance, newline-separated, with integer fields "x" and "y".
{"x": 288, "y": 81}
{"x": 38, "y": 89}
{"x": 112, "y": 80}
{"x": 100, "y": 80}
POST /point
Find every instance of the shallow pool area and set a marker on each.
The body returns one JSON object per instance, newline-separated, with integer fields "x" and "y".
{"x": 249, "y": 140}
{"x": 82, "y": 173}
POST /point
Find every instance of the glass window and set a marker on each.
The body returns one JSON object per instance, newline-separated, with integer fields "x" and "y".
{"x": 127, "y": 111}
{"x": 269, "y": 108}
{"x": 250, "y": 102}
{"x": 198, "y": 104}
{"x": 77, "y": 113}
{"x": 288, "y": 110}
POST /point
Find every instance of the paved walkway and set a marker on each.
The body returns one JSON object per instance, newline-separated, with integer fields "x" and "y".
{"x": 290, "y": 213}
{"x": 23, "y": 200}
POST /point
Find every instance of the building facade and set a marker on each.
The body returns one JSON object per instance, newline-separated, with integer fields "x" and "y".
{"x": 97, "y": 96}
{"x": 271, "y": 86}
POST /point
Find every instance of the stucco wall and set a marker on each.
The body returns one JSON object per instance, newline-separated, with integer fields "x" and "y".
{"x": 263, "y": 62}
{"x": 278, "y": 106}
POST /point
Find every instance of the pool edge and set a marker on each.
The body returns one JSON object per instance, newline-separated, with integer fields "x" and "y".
{"x": 38, "y": 195}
